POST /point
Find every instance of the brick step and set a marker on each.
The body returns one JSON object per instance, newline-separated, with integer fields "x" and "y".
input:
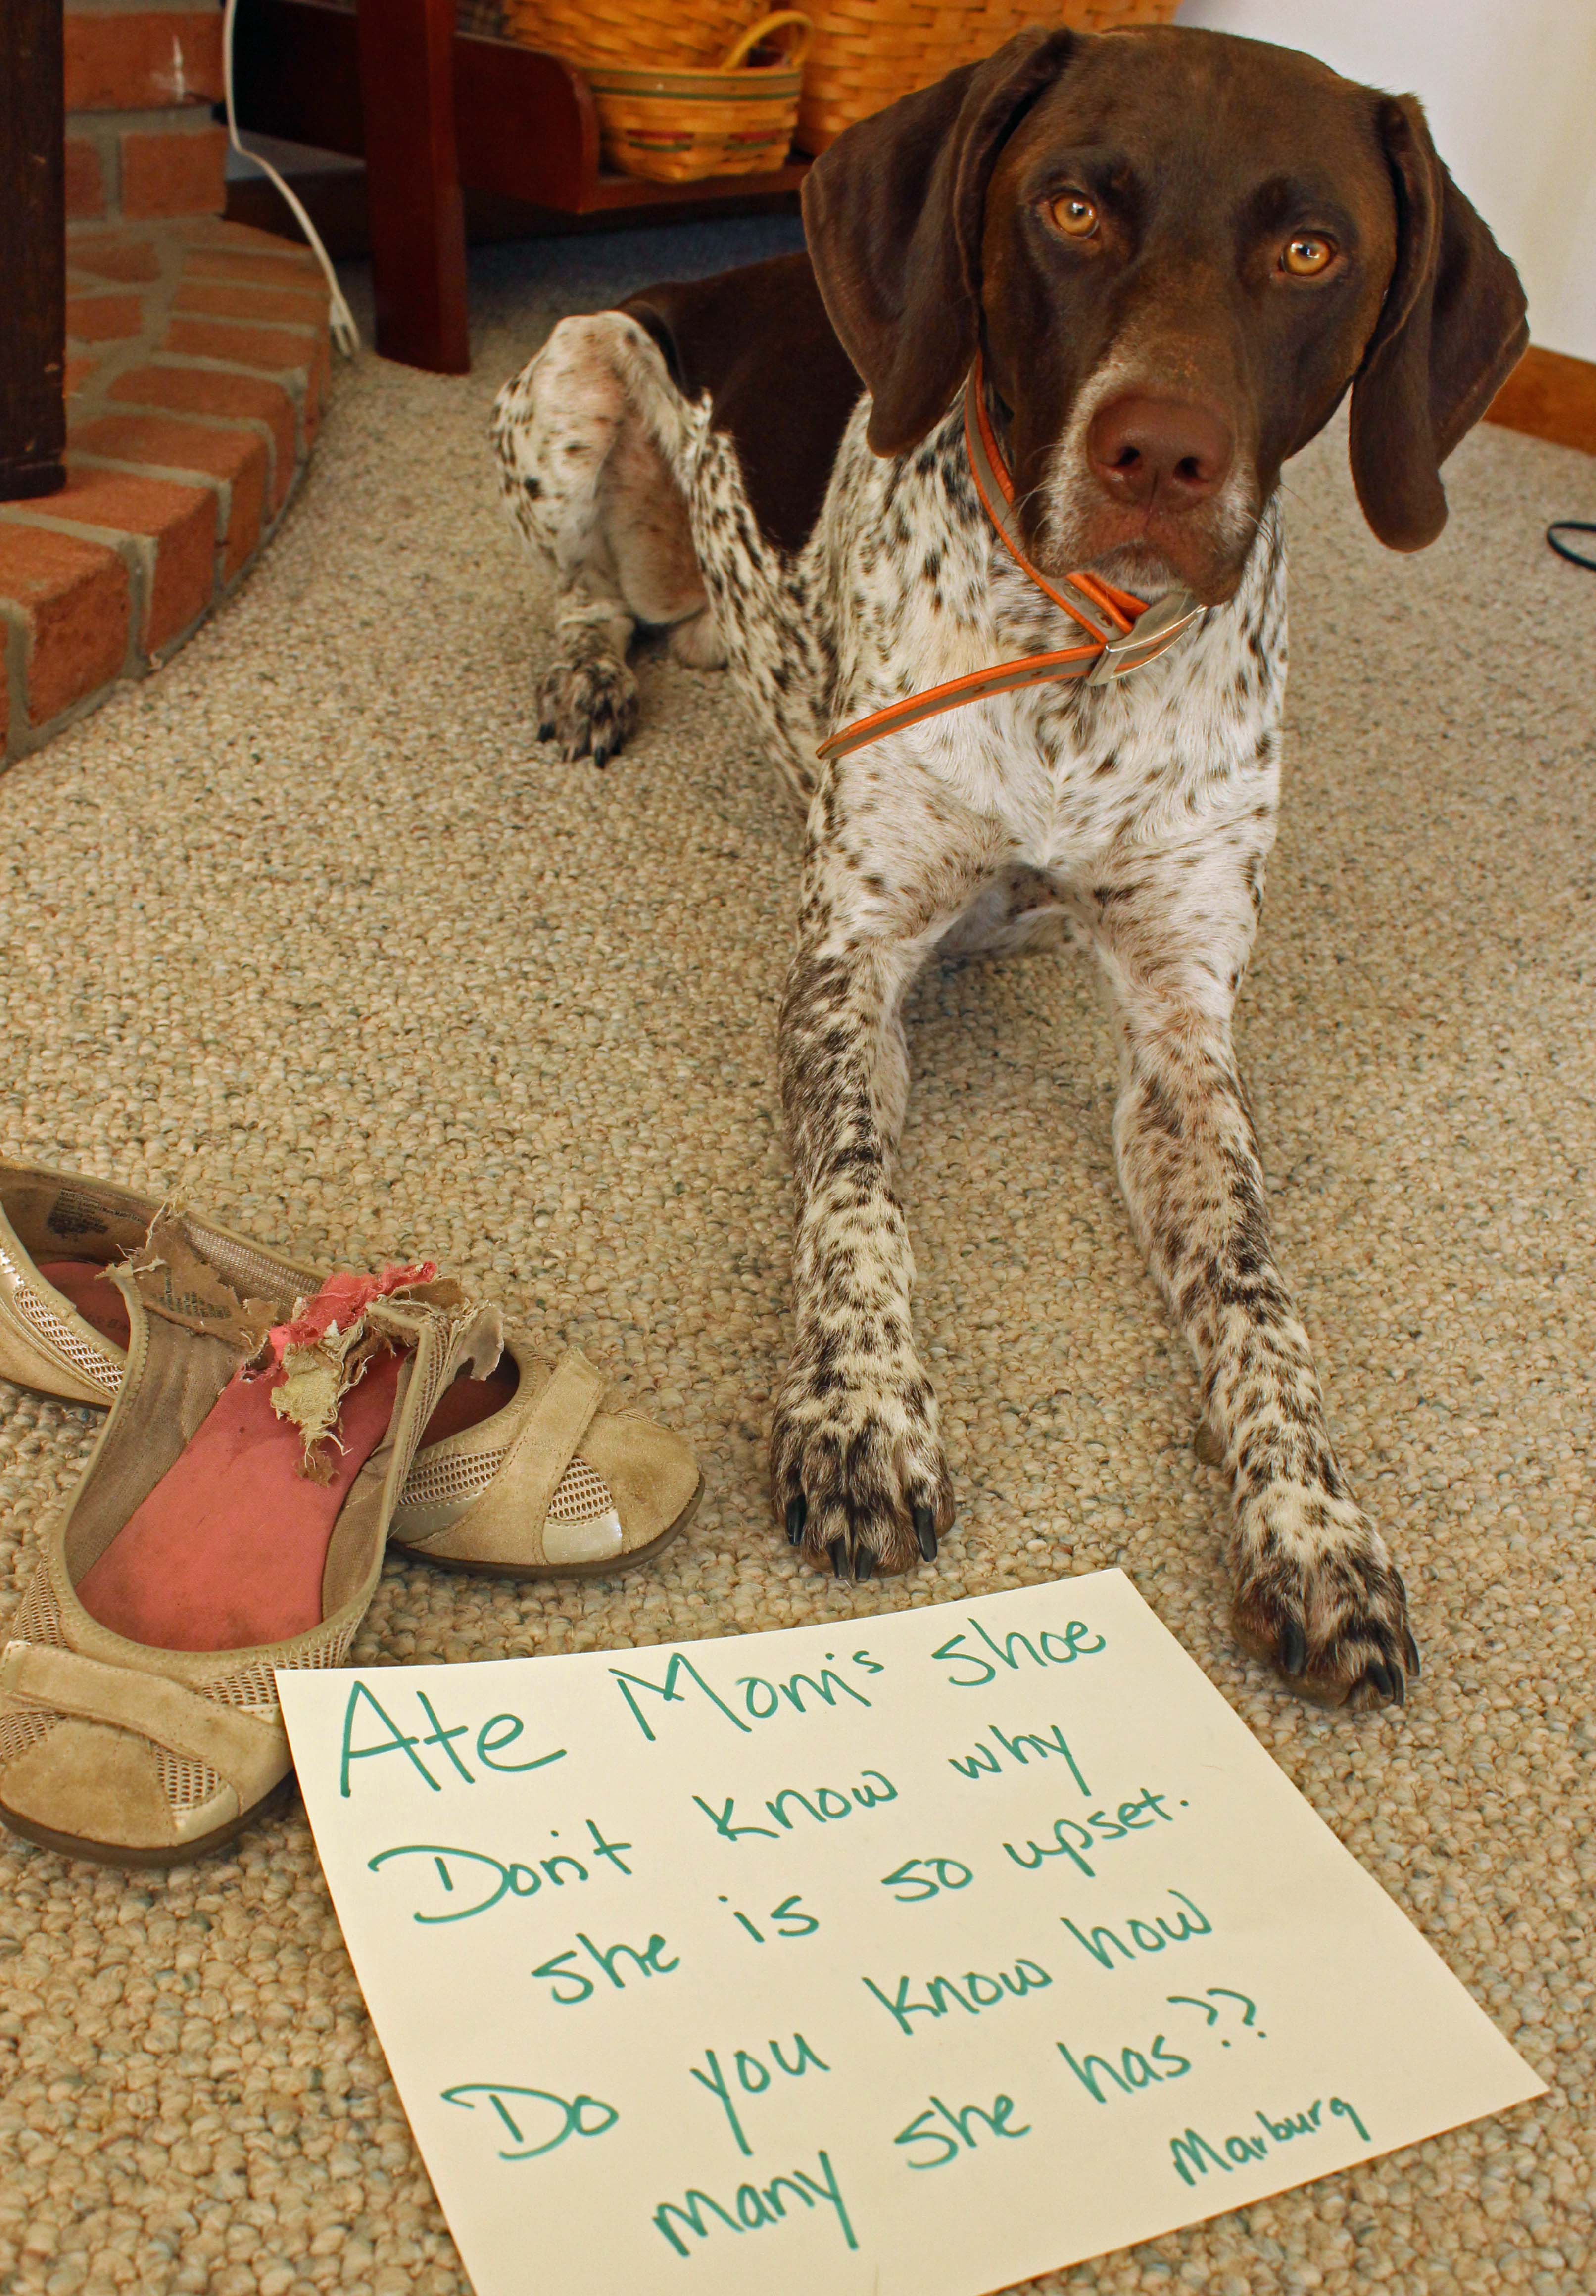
{"x": 197, "y": 366}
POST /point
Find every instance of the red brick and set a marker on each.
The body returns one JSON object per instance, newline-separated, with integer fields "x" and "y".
{"x": 216, "y": 450}
{"x": 77, "y": 600}
{"x": 173, "y": 174}
{"x": 112, "y": 255}
{"x": 238, "y": 397}
{"x": 104, "y": 318}
{"x": 132, "y": 63}
{"x": 213, "y": 232}
{"x": 78, "y": 372}
{"x": 285, "y": 348}
{"x": 306, "y": 306}
{"x": 180, "y": 521}
{"x": 284, "y": 267}
{"x": 86, "y": 185}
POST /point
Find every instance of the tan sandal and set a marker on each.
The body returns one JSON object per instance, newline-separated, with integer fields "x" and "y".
{"x": 478, "y": 1497}
{"x": 231, "y": 1521}
{"x": 562, "y": 1483}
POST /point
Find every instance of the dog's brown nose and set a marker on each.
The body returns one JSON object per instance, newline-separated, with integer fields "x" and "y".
{"x": 1166, "y": 450}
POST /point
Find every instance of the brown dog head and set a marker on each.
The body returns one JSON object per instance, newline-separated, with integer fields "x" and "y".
{"x": 1174, "y": 251}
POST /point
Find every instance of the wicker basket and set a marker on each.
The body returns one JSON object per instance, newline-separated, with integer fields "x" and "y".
{"x": 654, "y": 34}
{"x": 868, "y": 53}
{"x": 675, "y": 127}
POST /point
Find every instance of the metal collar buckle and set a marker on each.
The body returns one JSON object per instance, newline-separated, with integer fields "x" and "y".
{"x": 1153, "y": 632}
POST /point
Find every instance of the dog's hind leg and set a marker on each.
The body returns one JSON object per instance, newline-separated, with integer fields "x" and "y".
{"x": 586, "y": 488}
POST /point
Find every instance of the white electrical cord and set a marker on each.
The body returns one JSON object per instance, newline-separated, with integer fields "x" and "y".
{"x": 345, "y": 333}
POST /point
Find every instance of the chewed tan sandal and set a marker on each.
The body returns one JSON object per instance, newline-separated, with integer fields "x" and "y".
{"x": 478, "y": 1497}
{"x": 563, "y": 1482}
{"x": 231, "y": 1521}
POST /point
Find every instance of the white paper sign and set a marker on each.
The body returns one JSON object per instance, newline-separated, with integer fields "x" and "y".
{"x": 911, "y": 1955}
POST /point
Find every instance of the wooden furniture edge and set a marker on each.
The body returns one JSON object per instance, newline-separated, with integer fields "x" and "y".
{"x": 1550, "y": 396}
{"x": 33, "y": 258}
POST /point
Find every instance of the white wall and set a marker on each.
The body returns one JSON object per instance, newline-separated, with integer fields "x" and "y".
{"x": 1510, "y": 86}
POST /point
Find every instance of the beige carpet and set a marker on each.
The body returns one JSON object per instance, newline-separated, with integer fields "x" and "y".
{"x": 309, "y": 924}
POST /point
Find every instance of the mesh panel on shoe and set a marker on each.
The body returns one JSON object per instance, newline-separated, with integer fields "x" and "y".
{"x": 459, "y": 1477}
{"x": 265, "y": 1276}
{"x": 251, "y": 1687}
{"x": 580, "y": 1494}
{"x": 437, "y": 1480}
{"x": 185, "y": 1783}
{"x": 38, "y": 1620}
{"x": 90, "y": 1362}
{"x": 19, "y": 1732}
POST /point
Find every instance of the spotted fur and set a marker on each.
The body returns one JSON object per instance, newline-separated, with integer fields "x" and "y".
{"x": 1139, "y": 818}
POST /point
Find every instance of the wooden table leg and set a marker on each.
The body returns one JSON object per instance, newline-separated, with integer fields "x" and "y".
{"x": 33, "y": 251}
{"x": 412, "y": 182}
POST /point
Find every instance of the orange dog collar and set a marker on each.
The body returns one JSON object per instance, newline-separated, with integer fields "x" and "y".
{"x": 1122, "y": 631}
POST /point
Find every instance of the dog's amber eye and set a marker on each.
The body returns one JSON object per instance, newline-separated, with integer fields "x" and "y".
{"x": 1306, "y": 254}
{"x": 1075, "y": 214}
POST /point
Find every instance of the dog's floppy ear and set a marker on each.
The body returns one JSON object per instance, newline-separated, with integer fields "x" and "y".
{"x": 1451, "y": 331}
{"x": 893, "y": 214}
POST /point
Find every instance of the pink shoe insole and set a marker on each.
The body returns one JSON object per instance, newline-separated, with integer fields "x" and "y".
{"x": 229, "y": 1549}
{"x": 101, "y": 1306}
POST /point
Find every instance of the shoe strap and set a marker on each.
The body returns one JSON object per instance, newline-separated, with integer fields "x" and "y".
{"x": 246, "y": 1752}
{"x": 560, "y": 1416}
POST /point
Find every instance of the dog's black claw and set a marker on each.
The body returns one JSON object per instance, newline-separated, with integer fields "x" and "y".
{"x": 1399, "y": 1688}
{"x": 546, "y": 732}
{"x": 1294, "y": 1650}
{"x": 601, "y": 756}
{"x": 797, "y": 1509}
{"x": 839, "y": 1558}
{"x": 864, "y": 1562}
{"x": 1383, "y": 1679}
{"x": 926, "y": 1533}
{"x": 1413, "y": 1666}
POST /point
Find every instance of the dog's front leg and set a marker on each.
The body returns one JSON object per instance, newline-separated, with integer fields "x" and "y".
{"x": 857, "y": 1468}
{"x": 1315, "y": 1590}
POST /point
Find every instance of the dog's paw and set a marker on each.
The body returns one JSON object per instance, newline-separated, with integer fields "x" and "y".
{"x": 1318, "y": 1596}
{"x": 589, "y": 708}
{"x": 857, "y": 1470}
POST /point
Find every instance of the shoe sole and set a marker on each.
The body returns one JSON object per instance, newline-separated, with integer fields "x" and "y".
{"x": 602, "y": 1568}
{"x": 113, "y": 1853}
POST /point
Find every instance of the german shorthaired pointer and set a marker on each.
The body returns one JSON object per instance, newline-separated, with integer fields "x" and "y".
{"x": 1135, "y": 272}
